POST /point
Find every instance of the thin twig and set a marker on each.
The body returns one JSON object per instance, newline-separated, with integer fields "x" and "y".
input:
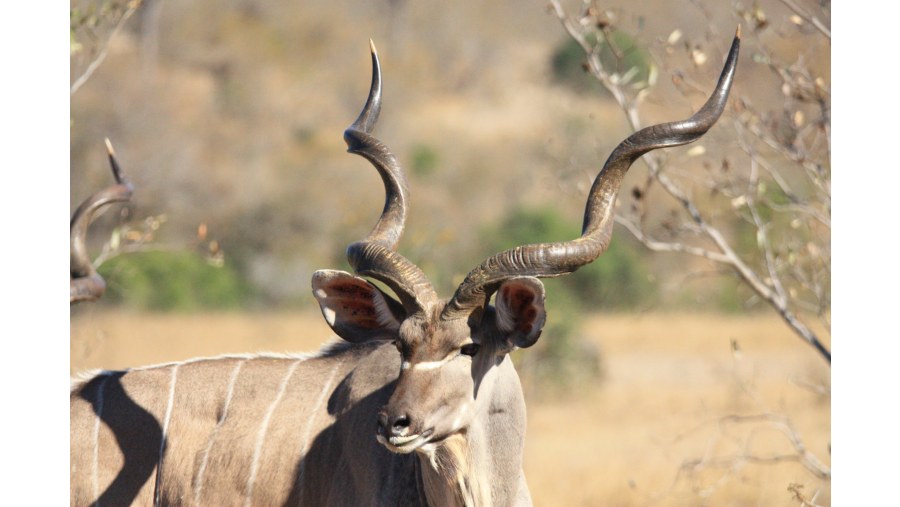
{"x": 661, "y": 246}
{"x": 95, "y": 63}
{"x": 814, "y": 21}
{"x": 110, "y": 254}
{"x": 779, "y": 422}
{"x": 772, "y": 294}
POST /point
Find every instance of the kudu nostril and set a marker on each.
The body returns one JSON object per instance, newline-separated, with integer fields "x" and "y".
{"x": 389, "y": 426}
{"x": 400, "y": 425}
{"x": 401, "y": 421}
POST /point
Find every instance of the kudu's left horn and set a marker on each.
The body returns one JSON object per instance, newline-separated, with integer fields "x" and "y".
{"x": 85, "y": 284}
{"x": 375, "y": 255}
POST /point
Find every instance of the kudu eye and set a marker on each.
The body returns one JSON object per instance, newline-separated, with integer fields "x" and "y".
{"x": 469, "y": 349}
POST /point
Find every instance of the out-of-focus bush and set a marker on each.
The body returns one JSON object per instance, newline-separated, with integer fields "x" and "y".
{"x": 617, "y": 280}
{"x": 425, "y": 159}
{"x": 179, "y": 281}
{"x": 562, "y": 358}
{"x": 618, "y": 51}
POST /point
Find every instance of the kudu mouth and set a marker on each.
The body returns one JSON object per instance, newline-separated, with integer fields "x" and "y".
{"x": 397, "y": 439}
{"x": 376, "y": 256}
{"x": 405, "y": 444}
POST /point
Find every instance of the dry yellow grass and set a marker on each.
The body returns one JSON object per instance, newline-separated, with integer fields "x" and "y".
{"x": 670, "y": 379}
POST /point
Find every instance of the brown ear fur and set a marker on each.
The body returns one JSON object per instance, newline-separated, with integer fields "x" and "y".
{"x": 354, "y": 308}
{"x": 520, "y": 310}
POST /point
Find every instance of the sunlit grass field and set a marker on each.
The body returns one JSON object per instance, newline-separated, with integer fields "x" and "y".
{"x": 691, "y": 409}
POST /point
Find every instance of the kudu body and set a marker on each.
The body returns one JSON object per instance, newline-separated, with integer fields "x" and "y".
{"x": 419, "y": 404}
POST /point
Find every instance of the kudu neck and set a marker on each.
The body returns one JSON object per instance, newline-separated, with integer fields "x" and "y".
{"x": 473, "y": 468}
{"x": 453, "y": 474}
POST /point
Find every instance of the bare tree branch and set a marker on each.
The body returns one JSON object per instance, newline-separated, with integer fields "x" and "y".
{"x": 768, "y": 283}
{"x": 814, "y": 21}
{"x": 662, "y": 246}
{"x": 131, "y": 6}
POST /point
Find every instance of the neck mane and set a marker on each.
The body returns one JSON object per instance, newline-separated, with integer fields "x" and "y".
{"x": 452, "y": 476}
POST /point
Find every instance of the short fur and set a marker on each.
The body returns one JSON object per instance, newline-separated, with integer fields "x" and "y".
{"x": 295, "y": 430}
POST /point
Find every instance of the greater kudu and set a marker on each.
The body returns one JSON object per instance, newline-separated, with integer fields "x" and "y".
{"x": 418, "y": 405}
{"x": 85, "y": 284}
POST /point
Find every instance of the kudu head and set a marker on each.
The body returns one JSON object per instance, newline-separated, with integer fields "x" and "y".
{"x": 85, "y": 284}
{"x": 450, "y": 348}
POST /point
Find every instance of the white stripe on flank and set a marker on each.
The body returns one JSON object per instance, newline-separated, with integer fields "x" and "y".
{"x": 165, "y": 432}
{"x": 95, "y": 475}
{"x": 199, "y": 480}
{"x": 332, "y": 346}
{"x": 256, "y": 355}
{"x": 261, "y": 436}
{"x": 309, "y": 422}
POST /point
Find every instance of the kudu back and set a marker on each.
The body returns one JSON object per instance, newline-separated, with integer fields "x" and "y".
{"x": 417, "y": 404}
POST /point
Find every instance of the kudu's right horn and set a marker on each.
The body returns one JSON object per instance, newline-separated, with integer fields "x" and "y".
{"x": 561, "y": 258}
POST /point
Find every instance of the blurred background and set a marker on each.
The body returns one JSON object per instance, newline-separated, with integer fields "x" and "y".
{"x": 686, "y": 366}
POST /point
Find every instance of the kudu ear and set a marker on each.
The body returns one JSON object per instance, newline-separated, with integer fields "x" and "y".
{"x": 520, "y": 310}
{"x": 354, "y": 308}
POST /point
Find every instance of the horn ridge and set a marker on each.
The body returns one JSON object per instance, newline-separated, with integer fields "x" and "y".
{"x": 375, "y": 255}
{"x": 556, "y": 259}
{"x": 85, "y": 284}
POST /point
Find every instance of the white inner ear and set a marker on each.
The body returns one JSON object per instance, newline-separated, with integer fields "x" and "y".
{"x": 329, "y": 315}
{"x": 335, "y": 302}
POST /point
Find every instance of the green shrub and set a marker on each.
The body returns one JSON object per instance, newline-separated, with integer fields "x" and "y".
{"x": 562, "y": 358}
{"x": 424, "y": 158}
{"x": 616, "y": 280}
{"x": 623, "y": 57}
{"x": 180, "y": 281}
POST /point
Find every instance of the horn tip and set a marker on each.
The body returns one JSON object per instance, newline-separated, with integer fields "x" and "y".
{"x": 109, "y": 147}
{"x": 372, "y": 47}
{"x": 737, "y": 33}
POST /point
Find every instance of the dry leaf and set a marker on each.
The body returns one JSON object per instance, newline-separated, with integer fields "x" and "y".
{"x": 674, "y": 37}
{"x": 812, "y": 249}
{"x": 114, "y": 240}
{"x": 699, "y": 57}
